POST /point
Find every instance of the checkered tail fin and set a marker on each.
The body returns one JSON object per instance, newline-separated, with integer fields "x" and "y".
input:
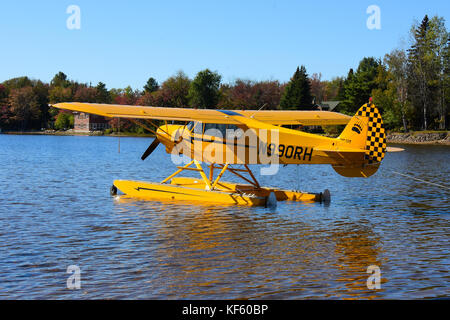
{"x": 365, "y": 131}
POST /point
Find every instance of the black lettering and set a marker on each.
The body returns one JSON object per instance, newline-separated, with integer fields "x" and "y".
{"x": 307, "y": 154}
{"x": 281, "y": 149}
{"x": 298, "y": 152}
{"x": 270, "y": 149}
{"x": 287, "y": 154}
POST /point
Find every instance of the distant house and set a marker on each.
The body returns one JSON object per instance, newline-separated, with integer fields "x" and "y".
{"x": 85, "y": 122}
{"x": 327, "y": 105}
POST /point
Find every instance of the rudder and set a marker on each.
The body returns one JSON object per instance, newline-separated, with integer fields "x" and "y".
{"x": 376, "y": 135}
{"x": 365, "y": 131}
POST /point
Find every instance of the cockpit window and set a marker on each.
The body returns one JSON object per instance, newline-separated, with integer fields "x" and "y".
{"x": 220, "y": 130}
{"x": 215, "y": 130}
{"x": 190, "y": 125}
{"x": 193, "y": 124}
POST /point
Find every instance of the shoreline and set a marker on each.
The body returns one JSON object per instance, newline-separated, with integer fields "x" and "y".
{"x": 82, "y": 134}
{"x": 412, "y": 138}
{"x": 420, "y": 138}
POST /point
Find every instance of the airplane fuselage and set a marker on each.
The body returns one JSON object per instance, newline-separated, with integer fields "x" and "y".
{"x": 284, "y": 146}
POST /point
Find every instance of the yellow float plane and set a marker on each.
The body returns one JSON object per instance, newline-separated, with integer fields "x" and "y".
{"x": 224, "y": 139}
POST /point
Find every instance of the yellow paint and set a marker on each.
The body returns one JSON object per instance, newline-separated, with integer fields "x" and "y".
{"x": 308, "y": 118}
{"x": 350, "y": 152}
{"x": 158, "y": 191}
{"x": 280, "y": 194}
{"x": 357, "y": 152}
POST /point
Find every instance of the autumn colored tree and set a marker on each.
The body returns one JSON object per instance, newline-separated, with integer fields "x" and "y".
{"x": 242, "y": 95}
{"x": 318, "y": 88}
{"x": 121, "y": 125}
{"x": 3, "y": 92}
{"x": 24, "y": 107}
{"x": 175, "y": 90}
{"x": 155, "y": 99}
{"x": 267, "y": 94}
{"x": 85, "y": 94}
{"x": 247, "y": 94}
{"x": 4, "y": 107}
{"x": 126, "y": 96}
{"x": 411, "y": 89}
{"x": 333, "y": 89}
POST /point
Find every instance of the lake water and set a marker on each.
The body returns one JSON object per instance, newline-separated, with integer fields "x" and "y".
{"x": 56, "y": 211}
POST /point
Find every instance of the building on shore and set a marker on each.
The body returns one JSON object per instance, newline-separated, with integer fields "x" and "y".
{"x": 327, "y": 105}
{"x": 85, "y": 122}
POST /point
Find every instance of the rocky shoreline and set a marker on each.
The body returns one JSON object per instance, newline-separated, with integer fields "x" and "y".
{"x": 417, "y": 137}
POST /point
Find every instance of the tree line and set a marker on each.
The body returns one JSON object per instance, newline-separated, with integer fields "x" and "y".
{"x": 410, "y": 87}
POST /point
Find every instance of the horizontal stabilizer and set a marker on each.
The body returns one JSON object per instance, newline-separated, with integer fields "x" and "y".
{"x": 394, "y": 149}
{"x": 357, "y": 172}
{"x": 340, "y": 150}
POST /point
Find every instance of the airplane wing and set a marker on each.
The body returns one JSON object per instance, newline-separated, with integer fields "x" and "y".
{"x": 274, "y": 117}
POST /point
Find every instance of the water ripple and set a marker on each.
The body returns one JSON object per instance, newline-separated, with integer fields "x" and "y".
{"x": 55, "y": 211}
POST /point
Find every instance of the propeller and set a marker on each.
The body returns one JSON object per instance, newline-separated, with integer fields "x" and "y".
{"x": 150, "y": 148}
{"x": 156, "y": 143}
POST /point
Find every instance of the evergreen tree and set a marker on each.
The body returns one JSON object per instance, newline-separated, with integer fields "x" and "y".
{"x": 423, "y": 71}
{"x": 297, "y": 94}
{"x": 60, "y": 80}
{"x": 359, "y": 85}
{"x": 446, "y": 82}
{"x": 151, "y": 85}
{"x": 41, "y": 91}
{"x": 102, "y": 94}
{"x": 341, "y": 96}
{"x": 440, "y": 39}
{"x": 204, "y": 90}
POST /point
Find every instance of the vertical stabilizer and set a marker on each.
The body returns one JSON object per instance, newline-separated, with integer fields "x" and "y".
{"x": 365, "y": 131}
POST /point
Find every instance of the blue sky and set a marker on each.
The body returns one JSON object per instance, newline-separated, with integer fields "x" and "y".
{"x": 125, "y": 42}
